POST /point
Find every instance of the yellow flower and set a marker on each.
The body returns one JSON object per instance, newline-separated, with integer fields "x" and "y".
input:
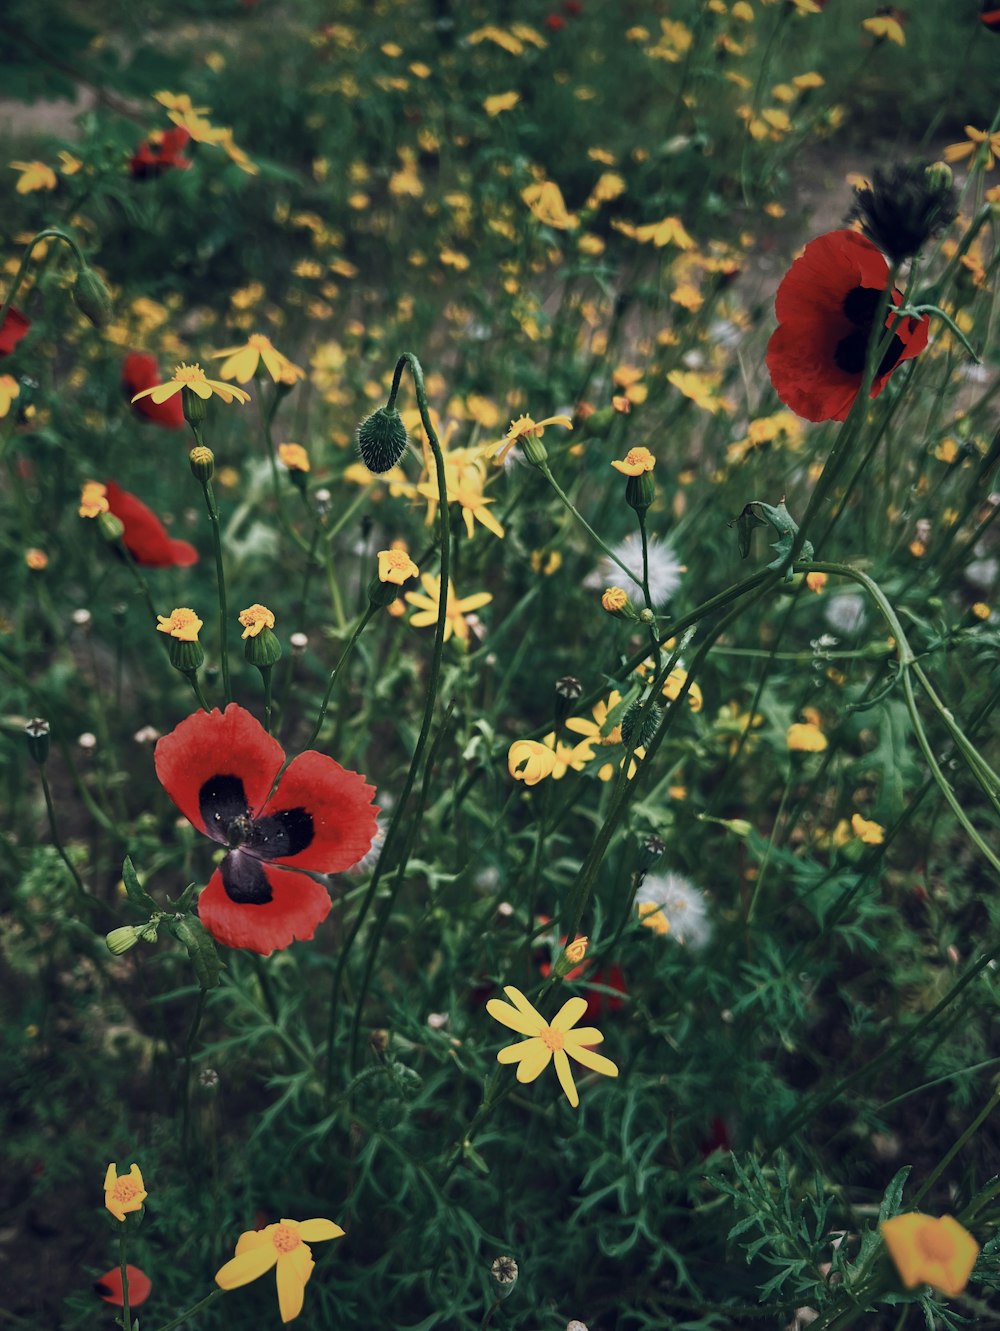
{"x": 9, "y": 390}
{"x": 673, "y": 684}
{"x": 254, "y": 619}
{"x": 652, "y": 916}
{"x": 816, "y": 581}
{"x": 294, "y": 457}
{"x": 455, "y": 610}
{"x": 193, "y": 378}
{"x": 981, "y": 611}
{"x": 702, "y": 389}
{"x": 242, "y": 363}
{"x": 979, "y": 141}
{"x": 34, "y": 176}
{"x": 805, "y": 737}
{"x": 549, "y": 1040}
{"x": 396, "y": 566}
{"x": 567, "y": 756}
{"x": 576, "y": 951}
{"x": 68, "y": 164}
{"x": 92, "y": 499}
{"x": 286, "y": 1246}
{"x": 529, "y": 761}
{"x": 872, "y": 834}
{"x": 636, "y": 461}
{"x": 182, "y": 624}
{"x": 36, "y": 559}
{"x": 929, "y": 1251}
{"x": 521, "y": 428}
{"x": 614, "y": 600}
{"x": 123, "y": 1194}
{"x": 885, "y": 28}
{"x": 547, "y": 204}
{"x": 491, "y": 33}
{"x": 501, "y": 101}
{"x": 464, "y": 481}
{"x": 670, "y": 231}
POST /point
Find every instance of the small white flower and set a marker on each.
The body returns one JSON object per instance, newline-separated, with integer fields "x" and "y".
{"x": 683, "y": 905}
{"x": 845, "y": 611}
{"x": 370, "y": 858}
{"x": 982, "y": 573}
{"x": 664, "y": 569}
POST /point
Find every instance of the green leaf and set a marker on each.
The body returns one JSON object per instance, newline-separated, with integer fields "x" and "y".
{"x": 200, "y": 948}
{"x": 744, "y": 525}
{"x": 893, "y": 1198}
{"x": 134, "y": 890}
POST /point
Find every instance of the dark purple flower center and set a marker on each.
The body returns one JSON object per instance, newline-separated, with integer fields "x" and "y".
{"x": 860, "y": 307}
{"x": 228, "y": 818}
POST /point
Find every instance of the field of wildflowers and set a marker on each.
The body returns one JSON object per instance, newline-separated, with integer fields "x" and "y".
{"x": 499, "y": 666}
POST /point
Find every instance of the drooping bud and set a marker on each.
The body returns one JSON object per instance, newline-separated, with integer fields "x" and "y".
{"x": 202, "y": 462}
{"x": 120, "y": 940}
{"x": 382, "y": 440}
{"x": 615, "y": 600}
{"x": 36, "y": 732}
{"x": 92, "y": 297}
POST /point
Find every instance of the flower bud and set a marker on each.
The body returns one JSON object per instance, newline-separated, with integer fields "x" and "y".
{"x": 504, "y": 1272}
{"x": 185, "y": 656}
{"x": 615, "y": 600}
{"x": 536, "y": 453}
{"x": 194, "y": 406}
{"x": 651, "y": 851}
{"x": 381, "y": 594}
{"x": 120, "y": 940}
{"x": 263, "y": 649}
{"x": 568, "y": 691}
{"x": 650, "y": 723}
{"x": 571, "y": 957}
{"x": 92, "y": 297}
{"x": 381, "y": 440}
{"x": 37, "y": 734}
{"x": 202, "y": 462}
{"x": 111, "y": 528}
{"x": 640, "y": 491}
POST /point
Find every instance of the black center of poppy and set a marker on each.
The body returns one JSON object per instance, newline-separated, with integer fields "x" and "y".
{"x": 860, "y": 306}
{"x": 227, "y": 817}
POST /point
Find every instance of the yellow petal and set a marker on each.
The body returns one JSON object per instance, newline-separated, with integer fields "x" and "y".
{"x": 584, "y": 1035}
{"x": 524, "y": 1005}
{"x": 565, "y": 1075}
{"x": 596, "y": 1062}
{"x": 249, "y": 1265}
{"x": 291, "y": 1288}
{"x": 535, "y": 1060}
{"x": 316, "y": 1231}
{"x": 513, "y": 1053}
{"x": 161, "y": 393}
{"x": 514, "y": 1019}
{"x": 569, "y": 1014}
{"x": 110, "y": 1178}
{"x": 253, "y": 1238}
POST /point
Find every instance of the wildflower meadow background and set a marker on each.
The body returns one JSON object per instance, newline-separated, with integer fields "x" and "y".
{"x": 499, "y": 665}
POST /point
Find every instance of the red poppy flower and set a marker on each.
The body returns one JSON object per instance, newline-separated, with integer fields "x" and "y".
{"x": 145, "y": 536}
{"x": 555, "y": 22}
{"x": 161, "y": 151}
{"x": 990, "y": 16}
{"x": 218, "y": 768}
{"x": 141, "y": 372}
{"x": 825, "y": 306}
{"x": 15, "y": 326}
{"x": 109, "y": 1287}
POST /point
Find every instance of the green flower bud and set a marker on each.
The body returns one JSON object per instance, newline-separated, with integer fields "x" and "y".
{"x": 640, "y": 491}
{"x": 92, "y": 297}
{"x": 504, "y": 1273}
{"x": 202, "y": 462}
{"x": 187, "y": 657}
{"x": 650, "y": 724}
{"x": 120, "y": 940}
{"x": 194, "y": 406}
{"x": 381, "y": 440}
{"x": 263, "y": 649}
{"x": 111, "y": 528}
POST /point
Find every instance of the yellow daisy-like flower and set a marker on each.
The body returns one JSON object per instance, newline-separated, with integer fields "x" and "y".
{"x": 286, "y": 1246}
{"x": 396, "y": 566}
{"x": 455, "y": 610}
{"x": 529, "y": 761}
{"x": 805, "y": 737}
{"x": 871, "y": 833}
{"x": 931, "y": 1251}
{"x": 522, "y": 428}
{"x": 242, "y": 363}
{"x": 501, "y": 101}
{"x": 549, "y": 1040}
{"x": 568, "y": 757}
{"x": 652, "y": 916}
{"x": 125, "y": 1193}
{"x": 34, "y": 176}
{"x": 464, "y": 482}
{"x": 193, "y": 378}
{"x": 668, "y": 231}
{"x": 182, "y": 624}
{"x": 547, "y": 204}
{"x": 9, "y": 390}
{"x": 673, "y": 684}
{"x": 294, "y": 457}
{"x": 92, "y": 499}
{"x": 254, "y": 619}
{"x": 978, "y": 141}
{"x": 635, "y": 462}
{"x": 887, "y": 29}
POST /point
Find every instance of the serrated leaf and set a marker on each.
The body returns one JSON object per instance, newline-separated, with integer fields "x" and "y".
{"x": 134, "y": 890}
{"x": 892, "y": 1199}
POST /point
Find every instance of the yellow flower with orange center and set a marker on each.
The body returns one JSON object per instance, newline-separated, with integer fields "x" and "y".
{"x": 455, "y": 609}
{"x": 254, "y": 619}
{"x": 978, "y": 141}
{"x": 396, "y": 566}
{"x": 284, "y": 1246}
{"x": 93, "y": 499}
{"x": 549, "y": 1041}
{"x": 294, "y": 457}
{"x": 529, "y": 761}
{"x": 615, "y": 600}
{"x": 192, "y": 377}
{"x": 182, "y": 624}
{"x": 242, "y": 363}
{"x": 931, "y": 1251}
{"x": 635, "y": 462}
{"x": 522, "y": 428}
{"x": 125, "y": 1193}
{"x": 547, "y": 204}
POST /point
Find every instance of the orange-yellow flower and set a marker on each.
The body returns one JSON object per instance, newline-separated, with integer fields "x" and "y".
{"x": 242, "y": 363}
{"x": 547, "y": 204}
{"x": 888, "y": 29}
{"x": 396, "y": 566}
{"x": 93, "y": 499}
{"x": 285, "y": 1246}
{"x": 34, "y": 176}
{"x": 182, "y": 624}
{"x": 256, "y": 618}
{"x": 978, "y": 141}
{"x": 522, "y": 428}
{"x": 931, "y": 1251}
{"x": 455, "y": 610}
{"x": 635, "y": 462}
{"x": 193, "y": 378}
{"x": 294, "y": 457}
{"x": 501, "y": 101}
{"x": 548, "y": 1041}
{"x": 9, "y": 390}
{"x": 871, "y": 833}
{"x": 125, "y": 1193}
{"x": 529, "y": 761}
{"x": 805, "y": 737}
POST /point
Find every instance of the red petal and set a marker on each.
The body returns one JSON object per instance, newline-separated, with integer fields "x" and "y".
{"x": 807, "y": 378}
{"x": 139, "y": 372}
{"x": 830, "y": 266}
{"x": 340, "y": 803}
{"x": 15, "y": 326}
{"x": 145, "y": 536}
{"x": 297, "y": 907}
{"x": 109, "y": 1287}
{"x": 207, "y": 744}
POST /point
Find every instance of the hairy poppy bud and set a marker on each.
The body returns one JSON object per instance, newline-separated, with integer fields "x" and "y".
{"x": 381, "y": 440}
{"x": 92, "y": 297}
{"x": 650, "y": 724}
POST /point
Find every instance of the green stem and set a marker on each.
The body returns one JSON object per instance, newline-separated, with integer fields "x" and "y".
{"x": 196, "y": 1308}
{"x": 220, "y": 575}
{"x": 49, "y": 232}
{"x": 86, "y": 899}
{"x": 967, "y": 1135}
{"x": 546, "y": 472}
{"x": 122, "y": 1251}
{"x": 335, "y": 673}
